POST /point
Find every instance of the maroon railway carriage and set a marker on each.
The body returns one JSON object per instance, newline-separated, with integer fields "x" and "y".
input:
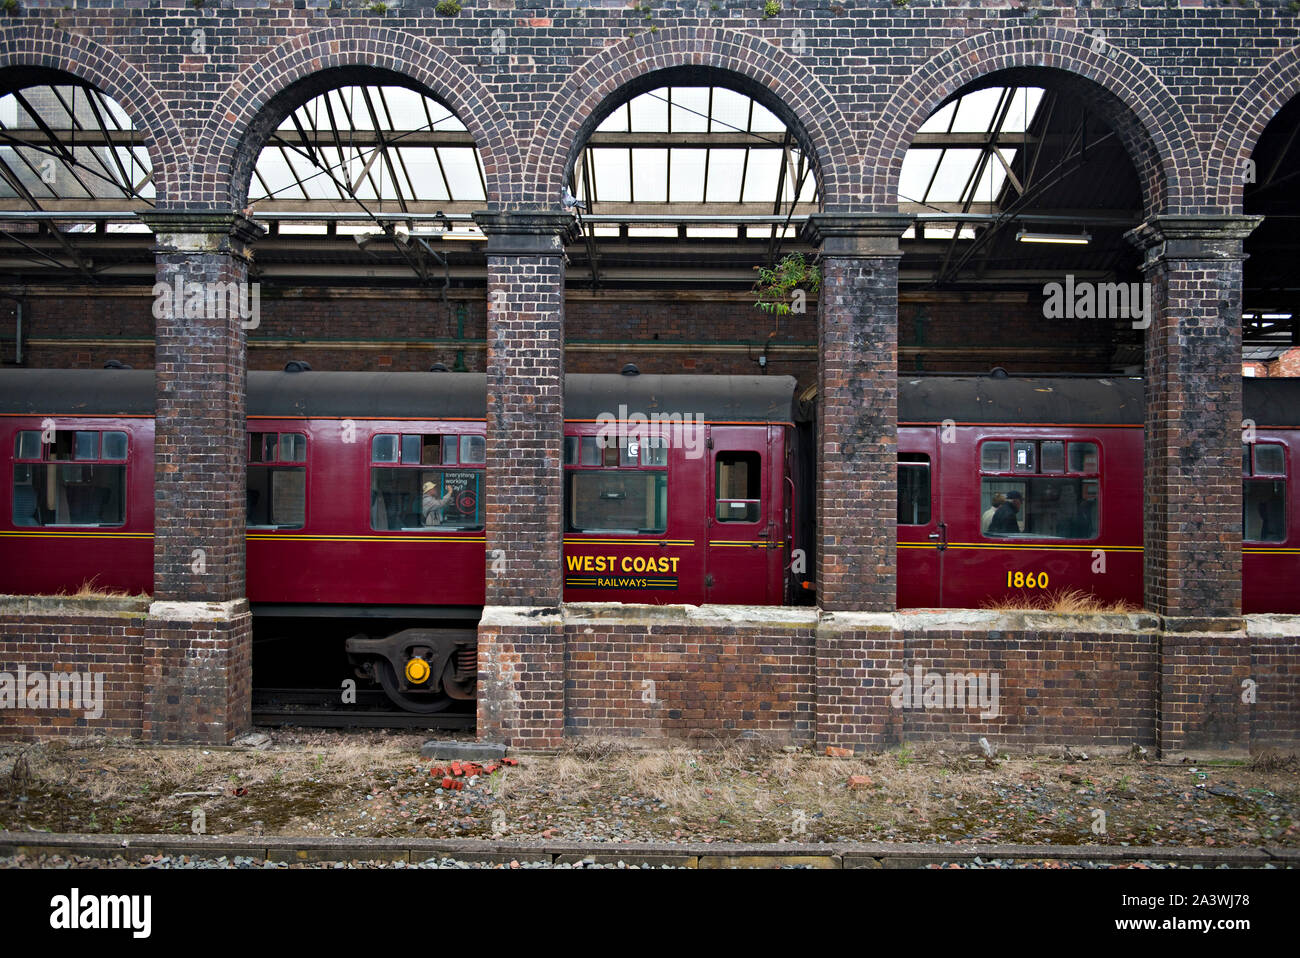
{"x": 1010, "y": 487}
{"x": 365, "y": 497}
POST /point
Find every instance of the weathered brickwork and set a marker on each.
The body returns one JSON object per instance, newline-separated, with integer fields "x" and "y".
{"x": 1201, "y": 676}
{"x": 521, "y": 677}
{"x": 75, "y": 639}
{"x": 857, "y": 421}
{"x": 717, "y": 333}
{"x": 200, "y": 433}
{"x": 197, "y": 672}
{"x": 661, "y": 675}
{"x": 849, "y": 680}
{"x": 855, "y": 82}
{"x": 167, "y": 672}
{"x": 1193, "y": 431}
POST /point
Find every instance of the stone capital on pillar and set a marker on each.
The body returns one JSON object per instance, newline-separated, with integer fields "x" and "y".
{"x": 856, "y": 235}
{"x": 1217, "y": 237}
{"x": 202, "y": 231}
{"x": 527, "y": 232}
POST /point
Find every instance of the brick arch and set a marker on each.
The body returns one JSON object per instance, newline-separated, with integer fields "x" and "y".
{"x": 724, "y": 57}
{"x": 1137, "y": 105}
{"x": 44, "y": 48}
{"x": 235, "y": 131}
{"x": 1256, "y": 105}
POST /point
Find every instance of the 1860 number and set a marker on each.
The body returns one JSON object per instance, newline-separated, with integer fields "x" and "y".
{"x": 1026, "y": 580}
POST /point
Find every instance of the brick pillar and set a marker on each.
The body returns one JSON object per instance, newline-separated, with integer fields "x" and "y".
{"x": 857, "y": 453}
{"x": 198, "y": 644}
{"x": 857, "y": 415}
{"x": 1192, "y": 476}
{"x": 521, "y": 636}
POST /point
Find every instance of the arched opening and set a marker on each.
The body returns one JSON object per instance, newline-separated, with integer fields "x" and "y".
{"x": 1021, "y": 318}
{"x": 372, "y": 264}
{"x": 690, "y": 186}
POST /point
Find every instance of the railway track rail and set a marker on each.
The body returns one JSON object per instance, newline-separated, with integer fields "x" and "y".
{"x": 683, "y": 855}
{"x": 322, "y": 708}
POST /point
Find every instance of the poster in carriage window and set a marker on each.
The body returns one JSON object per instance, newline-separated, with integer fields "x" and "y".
{"x": 461, "y": 490}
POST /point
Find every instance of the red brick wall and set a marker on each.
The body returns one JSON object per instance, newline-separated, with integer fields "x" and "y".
{"x": 658, "y": 332}
{"x": 662, "y": 677}
{"x": 72, "y": 639}
{"x": 165, "y": 678}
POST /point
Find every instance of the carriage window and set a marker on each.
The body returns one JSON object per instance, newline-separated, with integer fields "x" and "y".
{"x": 995, "y": 457}
{"x": 383, "y": 449}
{"x": 1052, "y": 457}
{"x": 1269, "y": 459}
{"x": 1029, "y": 503}
{"x": 408, "y": 496}
{"x": 913, "y": 489}
{"x": 1264, "y": 499}
{"x": 72, "y": 481}
{"x": 623, "y": 501}
{"x": 609, "y": 488}
{"x": 473, "y": 449}
{"x": 738, "y": 482}
{"x": 277, "y": 490}
{"x": 28, "y": 445}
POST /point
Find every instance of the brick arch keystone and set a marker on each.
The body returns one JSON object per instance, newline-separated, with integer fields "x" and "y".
{"x": 1153, "y": 127}
{"x": 36, "y": 46}
{"x": 226, "y": 165}
{"x": 757, "y": 67}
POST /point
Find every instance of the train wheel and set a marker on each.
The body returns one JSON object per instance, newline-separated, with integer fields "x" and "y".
{"x": 423, "y": 703}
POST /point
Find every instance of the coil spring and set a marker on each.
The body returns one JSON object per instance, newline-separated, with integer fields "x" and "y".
{"x": 467, "y": 661}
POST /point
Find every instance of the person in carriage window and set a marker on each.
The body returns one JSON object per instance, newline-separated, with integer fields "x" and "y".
{"x": 1004, "y": 522}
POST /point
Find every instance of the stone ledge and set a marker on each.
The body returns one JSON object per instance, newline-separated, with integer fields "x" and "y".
{"x": 171, "y": 611}
{"x": 66, "y": 605}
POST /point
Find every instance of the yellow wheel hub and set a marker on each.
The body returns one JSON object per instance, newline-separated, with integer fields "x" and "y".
{"x": 417, "y": 671}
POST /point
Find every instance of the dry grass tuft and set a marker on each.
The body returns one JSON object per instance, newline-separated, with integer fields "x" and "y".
{"x": 89, "y": 590}
{"x": 1275, "y": 760}
{"x": 1072, "y": 601}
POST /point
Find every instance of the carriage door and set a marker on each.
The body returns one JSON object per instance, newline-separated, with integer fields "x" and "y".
{"x": 922, "y": 534}
{"x": 740, "y": 526}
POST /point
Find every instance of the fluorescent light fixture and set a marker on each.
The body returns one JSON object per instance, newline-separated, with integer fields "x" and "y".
{"x": 1061, "y": 239}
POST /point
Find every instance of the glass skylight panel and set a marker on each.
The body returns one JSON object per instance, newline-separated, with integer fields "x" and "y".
{"x": 993, "y": 177}
{"x": 461, "y": 166}
{"x": 650, "y": 175}
{"x": 616, "y": 122}
{"x": 686, "y": 179}
{"x": 939, "y": 120}
{"x": 405, "y": 108}
{"x": 730, "y": 110}
{"x": 765, "y": 121}
{"x": 611, "y": 175}
{"x": 763, "y": 175}
{"x": 351, "y": 102}
{"x": 422, "y": 171}
{"x": 977, "y": 110}
{"x": 690, "y": 112}
{"x": 954, "y": 173}
{"x": 649, "y": 112}
{"x": 1024, "y": 106}
{"x": 809, "y": 192}
{"x": 914, "y": 179}
{"x": 726, "y": 169}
